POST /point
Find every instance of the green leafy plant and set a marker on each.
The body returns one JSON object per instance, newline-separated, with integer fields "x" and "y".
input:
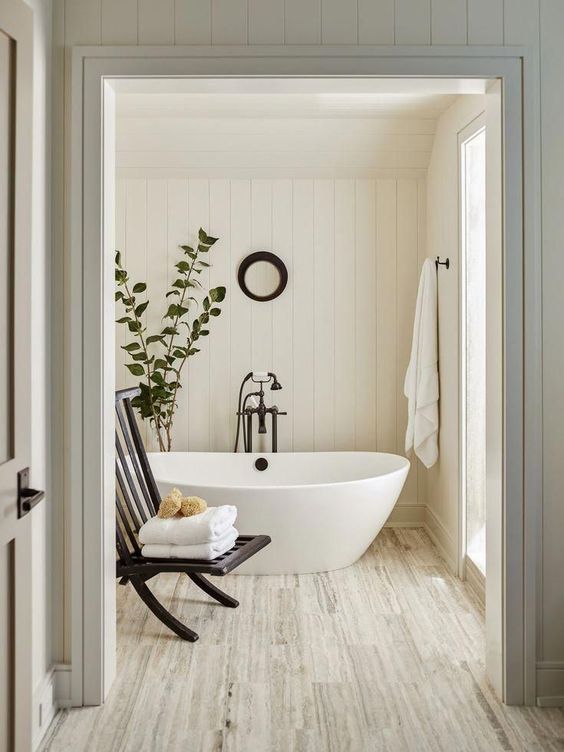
{"x": 158, "y": 359}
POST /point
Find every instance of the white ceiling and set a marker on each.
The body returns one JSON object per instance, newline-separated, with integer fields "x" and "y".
{"x": 290, "y": 97}
{"x": 283, "y": 105}
{"x": 260, "y": 126}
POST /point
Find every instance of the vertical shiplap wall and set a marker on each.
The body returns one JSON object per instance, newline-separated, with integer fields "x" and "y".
{"x": 339, "y": 336}
{"x": 298, "y": 21}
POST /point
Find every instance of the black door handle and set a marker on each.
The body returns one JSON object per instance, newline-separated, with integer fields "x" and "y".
{"x": 27, "y": 497}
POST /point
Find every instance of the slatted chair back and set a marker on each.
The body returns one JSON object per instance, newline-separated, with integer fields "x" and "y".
{"x": 137, "y": 496}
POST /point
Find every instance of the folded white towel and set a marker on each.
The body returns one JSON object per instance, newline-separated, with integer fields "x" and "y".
{"x": 206, "y": 527}
{"x": 206, "y": 551}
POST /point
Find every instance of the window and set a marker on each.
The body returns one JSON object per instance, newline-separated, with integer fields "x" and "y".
{"x": 473, "y": 236}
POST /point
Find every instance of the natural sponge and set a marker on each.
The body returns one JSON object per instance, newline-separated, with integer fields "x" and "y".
{"x": 191, "y": 505}
{"x": 170, "y": 505}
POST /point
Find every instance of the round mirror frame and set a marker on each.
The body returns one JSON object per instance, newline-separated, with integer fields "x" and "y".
{"x": 271, "y": 258}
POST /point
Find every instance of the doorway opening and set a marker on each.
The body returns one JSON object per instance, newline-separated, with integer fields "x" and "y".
{"x": 340, "y": 178}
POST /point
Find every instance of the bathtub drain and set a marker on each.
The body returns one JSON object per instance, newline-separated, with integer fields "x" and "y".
{"x": 261, "y": 463}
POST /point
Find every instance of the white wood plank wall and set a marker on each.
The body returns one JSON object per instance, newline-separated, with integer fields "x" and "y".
{"x": 298, "y": 21}
{"x": 338, "y": 338}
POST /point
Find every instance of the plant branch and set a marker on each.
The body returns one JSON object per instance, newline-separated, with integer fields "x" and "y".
{"x": 139, "y": 333}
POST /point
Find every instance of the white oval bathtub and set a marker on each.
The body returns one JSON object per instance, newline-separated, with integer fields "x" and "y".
{"x": 321, "y": 509}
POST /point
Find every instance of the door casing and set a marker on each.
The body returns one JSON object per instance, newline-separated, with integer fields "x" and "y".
{"x": 89, "y": 465}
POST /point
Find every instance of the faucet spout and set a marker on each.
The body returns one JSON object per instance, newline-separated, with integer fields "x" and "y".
{"x": 261, "y": 412}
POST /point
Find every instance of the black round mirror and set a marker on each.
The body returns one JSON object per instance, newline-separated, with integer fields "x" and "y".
{"x": 262, "y": 276}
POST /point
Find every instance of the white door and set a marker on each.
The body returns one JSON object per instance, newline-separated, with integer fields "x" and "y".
{"x": 16, "y": 40}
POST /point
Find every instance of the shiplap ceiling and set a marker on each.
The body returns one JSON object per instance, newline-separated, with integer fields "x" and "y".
{"x": 325, "y": 127}
{"x": 283, "y": 105}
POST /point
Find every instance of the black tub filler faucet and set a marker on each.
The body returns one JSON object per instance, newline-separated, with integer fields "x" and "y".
{"x": 253, "y": 404}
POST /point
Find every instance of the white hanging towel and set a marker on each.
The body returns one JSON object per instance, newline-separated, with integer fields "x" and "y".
{"x": 421, "y": 385}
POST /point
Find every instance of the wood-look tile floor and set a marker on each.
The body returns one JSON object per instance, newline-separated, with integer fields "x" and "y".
{"x": 385, "y": 655}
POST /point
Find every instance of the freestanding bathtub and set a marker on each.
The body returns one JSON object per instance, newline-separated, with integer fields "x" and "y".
{"x": 321, "y": 509}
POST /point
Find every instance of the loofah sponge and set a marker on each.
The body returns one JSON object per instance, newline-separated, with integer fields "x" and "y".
{"x": 191, "y": 505}
{"x": 170, "y": 505}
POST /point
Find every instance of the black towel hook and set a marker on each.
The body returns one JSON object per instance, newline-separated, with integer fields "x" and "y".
{"x": 438, "y": 263}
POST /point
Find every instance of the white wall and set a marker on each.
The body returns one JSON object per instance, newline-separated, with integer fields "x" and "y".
{"x": 537, "y": 23}
{"x": 443, "y": 239}
{"x": 338, "y": 337}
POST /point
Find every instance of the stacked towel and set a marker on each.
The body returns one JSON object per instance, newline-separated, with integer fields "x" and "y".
{"x": 202, "y": 536}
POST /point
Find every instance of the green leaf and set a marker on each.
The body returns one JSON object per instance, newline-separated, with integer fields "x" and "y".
{"x": 135, "y": 368}
{"x": 183, "y": 266}
{"x": 172, "y": 292}
{"x": 160, "y": 364}
{"x": 141, "y": 308}
{"x": 130, "y": 348}
{"x": 215, "y": 311}
{"x": 121, "y": 276}
{"x": 189, "y": 251}
{"x": 206, "y": 239}
{"x": 193, "y": 351}
{"x": 118, "y": 258}
{"x": 124, "y": 320}
{"x": 204, "y": 264}
{"x": 155, "y": 338}
{"x": 138, "y": 356}
{"x": 169, "y": 330}
{"x": 204, "y": 332}
{"x": 134, "y": 327}
{"x": 217, "y": 294}
{"x": 139, "y": 287}
{"x": 119, "y": 295}
{"x": 206, "y": 304}
{"x": 178, "y": 353}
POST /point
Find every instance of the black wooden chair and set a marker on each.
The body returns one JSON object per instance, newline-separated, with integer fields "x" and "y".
{"x": 137, "y": 499}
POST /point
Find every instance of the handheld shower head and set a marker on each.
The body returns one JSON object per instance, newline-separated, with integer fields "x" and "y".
{"x": 276, "y": 385}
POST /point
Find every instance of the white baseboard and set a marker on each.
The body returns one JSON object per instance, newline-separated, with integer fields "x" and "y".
{"x": 51, "y": 694}
{"x": 550, "y": 684}
{"x": 442, "y": 539}
{"x": 476, "y": 580}
{"x": 407, "y": 515}
{"x": 63, "y": 685}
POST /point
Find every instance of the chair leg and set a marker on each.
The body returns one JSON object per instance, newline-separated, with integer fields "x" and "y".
{"x": 213, "y": 591}
{"x": 160, "y": 611}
